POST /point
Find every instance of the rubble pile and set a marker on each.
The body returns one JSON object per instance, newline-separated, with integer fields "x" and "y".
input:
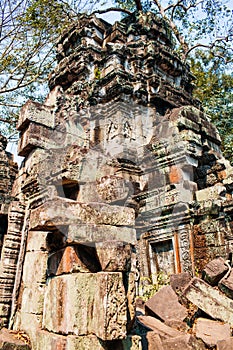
{"x": 190, "y": 313}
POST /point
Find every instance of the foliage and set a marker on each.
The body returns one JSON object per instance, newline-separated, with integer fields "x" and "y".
{"x": 28, "y": 32}
{"x": 150, "y": 285}
{"x": 214, "y": 88}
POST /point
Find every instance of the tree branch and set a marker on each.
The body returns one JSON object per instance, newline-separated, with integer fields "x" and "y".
{"x": 116, "y": 9}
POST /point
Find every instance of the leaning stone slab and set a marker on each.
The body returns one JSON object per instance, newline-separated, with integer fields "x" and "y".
{"x": 61, "y": 211}
{"x": 226, "y": 344}
{"x": 99, "y": 306}
{"x": 211, "y": 331}
{"x": 214, "y": 271}
{"x": 9, "y": 341}
{"x": 210, "y": 300}
{"x": 158, "y": 327}
{"x": 226, "y": 285}
{"x": 165, "y": 305}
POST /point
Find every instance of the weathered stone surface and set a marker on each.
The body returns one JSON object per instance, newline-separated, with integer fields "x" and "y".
{"x": 154, "y": 341}
{"x": 165, "y": 305}
{"x": 114, "y": 256}
{"x": 226, "y": 285}
{"x": 99, "y": 233}
{"x": 33, "y": 299}
{"x": 179, "y": 281}
{"x": 62, "y": 211}
{"x": 36, "y": 241}
{"x": 183, "y": 342}
{"x": 211, "y": 331}
{"x": 210, "y": 300}
{"x": 35, "y": 112}
{"x": 158, "y": 327}
{"x": 177, "y": 324}
{"x": 10, "y": 341}
{"x": 99, "y": 305}
{"x": 35, "y": 267}
{"x": 211, "y": 193}
{"x": 226, "y": 344}
{"x": 49, "y": 341}
{"x": 214, "y": 271}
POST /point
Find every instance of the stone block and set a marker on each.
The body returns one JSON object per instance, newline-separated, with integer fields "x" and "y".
{"x": 73, "y": 259}
{"x": 61, "y": 211}
{"x": 9, "y": 341}
{"x": 154, "y": 341}
{"x": 114, "y": 256}
{"x": 84, "y": 304}
{"x": 165, "y": 305}
{"x": 158, "y": 327}
{"x": 33, "y": 137}
{"x": 179, "y": 325}
{"x": 36, "y": 241}
{"x": 50, "y": 341}
{"x": 30, "y": 323}
{"x": 35, "y": 112}
{"x": 33, "y": 299}
{"x": 211, "y": 331}
{"x": 210, "y": 193}
{"x": 183, "y": 342}
{"x": 210, "y": 300}
{"x": 214, "y": 271}
{"x": 84, "y": 342}
{"x": 100, "y": 233}
{"x": 35, "y": 266}
{"x": 178, "y": 281}
{"x": 226, "y": 344}
{"x": 132, "y": 342}
{"x": 226, "y": 285}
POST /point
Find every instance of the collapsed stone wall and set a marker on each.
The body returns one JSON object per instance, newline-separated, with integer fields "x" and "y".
{"x": 122, "y": 170}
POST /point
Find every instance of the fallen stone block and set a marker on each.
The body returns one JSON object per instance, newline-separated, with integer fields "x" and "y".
{"x": 226, "y": 344}
{"x": 226, "y": 285}
{"x": 165, "y": 305}
{"x": 211, "y": 331}
{"x": 114, "y": 256}
{"x": 177, "y": 324}
{"x": 10, "y": 341}
{"x": 183, "y": 342}
{"x": 214, "y": 271}
{"x": 209, "y": 300}
{"x": 154, "y": 341}
{"x": 99, "y": 306}
{"x": 178, "y": 281}
{"x": 62, "y": 211}
{"x": 158, "y": 327}
{"x": 71, "y": 259}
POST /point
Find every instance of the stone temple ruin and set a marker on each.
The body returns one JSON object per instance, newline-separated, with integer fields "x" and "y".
{"x": 122, "y": 174}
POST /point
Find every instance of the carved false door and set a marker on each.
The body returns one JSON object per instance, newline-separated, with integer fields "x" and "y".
{"x": 162, "y": 257}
